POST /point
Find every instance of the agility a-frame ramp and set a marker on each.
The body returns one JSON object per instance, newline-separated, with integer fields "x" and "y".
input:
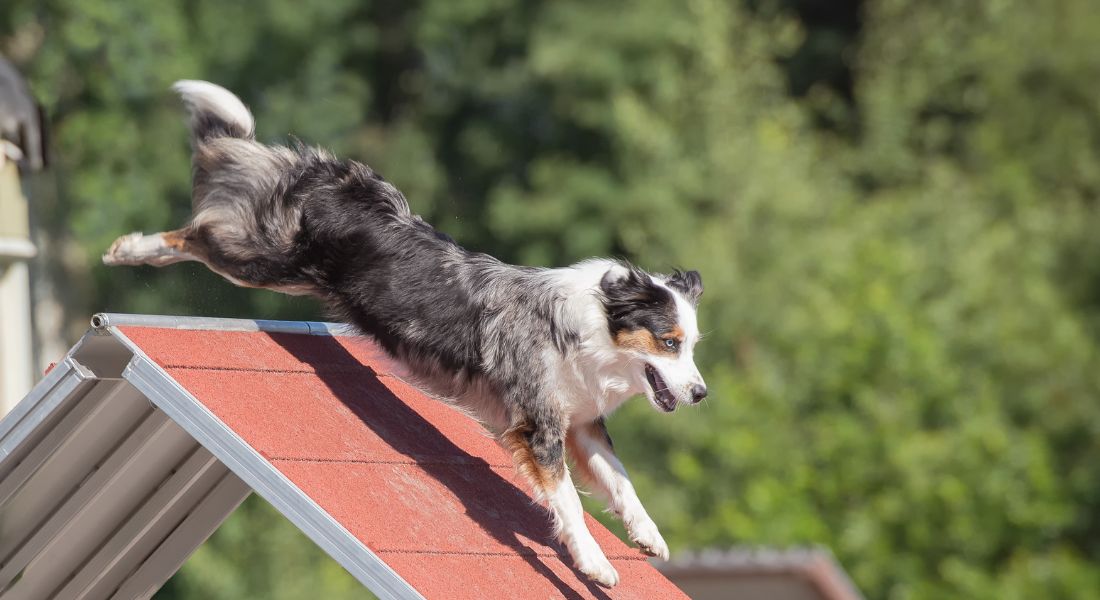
{"x": 137, "y": 445}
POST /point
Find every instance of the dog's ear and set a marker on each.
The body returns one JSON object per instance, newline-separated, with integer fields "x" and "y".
{"x": 615, "y": 278}
{"x": 688, "y": 283}
{"x": 625, "y": 283}
{"x": 627, "y": 288}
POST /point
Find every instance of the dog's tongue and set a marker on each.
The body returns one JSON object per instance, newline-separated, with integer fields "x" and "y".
{"x": 660, "y": 389}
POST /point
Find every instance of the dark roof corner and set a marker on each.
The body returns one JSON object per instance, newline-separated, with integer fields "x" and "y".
{"x": 811, "y": 573}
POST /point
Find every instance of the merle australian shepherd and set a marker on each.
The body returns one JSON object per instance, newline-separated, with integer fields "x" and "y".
{"x": 538, "y": 355}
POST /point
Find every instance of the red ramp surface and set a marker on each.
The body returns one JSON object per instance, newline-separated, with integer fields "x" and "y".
{"x": 420, "y": 484}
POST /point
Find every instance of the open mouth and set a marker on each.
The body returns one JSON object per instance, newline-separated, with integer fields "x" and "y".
{"x": 661, "y": 394}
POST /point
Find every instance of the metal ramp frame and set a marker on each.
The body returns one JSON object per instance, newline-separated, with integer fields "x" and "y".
{"x": 112, "y": 474}
{"x": 151, "y": 431}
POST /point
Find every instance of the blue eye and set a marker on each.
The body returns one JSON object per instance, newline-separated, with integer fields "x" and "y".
{"x": 671, "y": 344}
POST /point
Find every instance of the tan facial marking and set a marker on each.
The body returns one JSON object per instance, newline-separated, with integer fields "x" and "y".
{"x": 641, "y": 340}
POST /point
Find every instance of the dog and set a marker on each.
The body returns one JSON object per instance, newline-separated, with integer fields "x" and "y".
{"x": 541, "y": 356}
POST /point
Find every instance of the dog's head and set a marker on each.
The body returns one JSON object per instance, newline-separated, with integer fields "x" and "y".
{"x": 652, "y": 321}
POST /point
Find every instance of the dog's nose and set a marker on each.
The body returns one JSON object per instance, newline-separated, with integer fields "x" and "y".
{"x": 698, "y": 392}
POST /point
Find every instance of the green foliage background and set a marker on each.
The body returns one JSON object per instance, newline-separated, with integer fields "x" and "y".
{"x": 894, "y": 206}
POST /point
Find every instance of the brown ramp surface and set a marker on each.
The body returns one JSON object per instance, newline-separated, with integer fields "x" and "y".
{"x": 418, "y": 483}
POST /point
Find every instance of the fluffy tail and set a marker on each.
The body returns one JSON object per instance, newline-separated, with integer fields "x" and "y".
{"x": 215, "y": 111}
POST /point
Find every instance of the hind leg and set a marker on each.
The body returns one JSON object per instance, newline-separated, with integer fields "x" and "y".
{"x": 222, "y": 253}
{"x": 157, "y": 249}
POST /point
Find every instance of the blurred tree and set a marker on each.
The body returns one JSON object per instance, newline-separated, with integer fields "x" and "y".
{"x": 893, "y": 205}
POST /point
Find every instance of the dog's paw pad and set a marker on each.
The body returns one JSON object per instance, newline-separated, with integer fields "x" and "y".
{"x": 599, "y": 569}
{"x": 648, "y": 539}
{"x": 589, "y": 559}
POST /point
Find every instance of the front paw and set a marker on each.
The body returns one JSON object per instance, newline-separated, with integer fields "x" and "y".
{"x": 644, "y": 533}
{"x": 590, "y": 560}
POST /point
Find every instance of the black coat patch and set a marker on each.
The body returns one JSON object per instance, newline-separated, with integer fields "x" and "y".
{"x": 634, "y": 301}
